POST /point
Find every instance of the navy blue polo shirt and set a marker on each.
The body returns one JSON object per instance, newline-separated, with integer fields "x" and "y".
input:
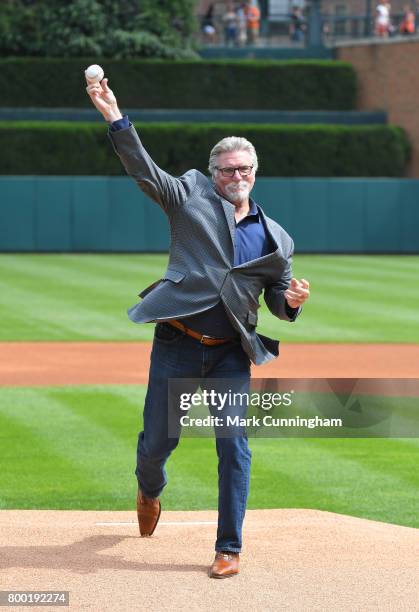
{"x": 251, "y": 242}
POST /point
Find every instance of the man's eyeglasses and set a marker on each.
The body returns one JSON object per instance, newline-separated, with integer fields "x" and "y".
{"x": 229, "y": 172}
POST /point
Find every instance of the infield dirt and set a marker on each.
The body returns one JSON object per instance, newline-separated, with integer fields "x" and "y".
{"x": 75, "y": 363}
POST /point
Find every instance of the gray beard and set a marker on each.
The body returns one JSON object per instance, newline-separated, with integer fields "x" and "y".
{"x": 237, "y": 195}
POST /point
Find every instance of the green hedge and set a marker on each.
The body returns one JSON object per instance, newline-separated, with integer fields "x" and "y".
{"x": 249, "y": 84}
{"x": 317, "y": 150}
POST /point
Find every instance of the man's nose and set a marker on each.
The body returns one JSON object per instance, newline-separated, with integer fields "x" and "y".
{"x": 237, "y": 176}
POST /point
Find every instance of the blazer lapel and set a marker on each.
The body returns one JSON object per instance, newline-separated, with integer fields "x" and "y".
{"x": 229, "y": 214}
{"x": 267, "y": 223}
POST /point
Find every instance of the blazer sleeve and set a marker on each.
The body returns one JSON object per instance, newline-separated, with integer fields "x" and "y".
{"x": 274, "y": 293}
{"x": 166, "y": 190}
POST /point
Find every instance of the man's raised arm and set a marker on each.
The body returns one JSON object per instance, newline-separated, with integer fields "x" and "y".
{"x": 169, "y": 192}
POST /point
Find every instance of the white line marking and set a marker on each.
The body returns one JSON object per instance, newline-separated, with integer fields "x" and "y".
{"x": 187, "y": 523}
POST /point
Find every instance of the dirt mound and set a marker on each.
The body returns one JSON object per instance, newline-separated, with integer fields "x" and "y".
{"x": 292, "y": 560}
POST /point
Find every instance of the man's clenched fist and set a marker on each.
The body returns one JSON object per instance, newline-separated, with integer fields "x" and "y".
{"x": 297, "y": 293}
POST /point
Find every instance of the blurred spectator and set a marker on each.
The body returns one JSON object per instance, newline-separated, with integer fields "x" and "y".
{"x": 407, "y": 26}
{"x": 392, "y": 30}
{"x": 207, "y": 25}
{"x": 230, "y": 25}
{"x": 297, "y": 25}
{"x": 252, "y": 13}
{"x": 382, "y": 20}
{"x": 241, "y": 25}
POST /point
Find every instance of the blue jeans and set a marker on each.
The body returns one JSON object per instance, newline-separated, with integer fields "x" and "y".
{"x": 176, "y": 355}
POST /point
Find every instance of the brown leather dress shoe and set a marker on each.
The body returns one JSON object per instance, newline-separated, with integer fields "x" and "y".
{"x": 148, "y": 513}
{"x": 226, "y": 565}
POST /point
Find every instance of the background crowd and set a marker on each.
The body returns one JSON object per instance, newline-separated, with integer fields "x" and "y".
{"x": 240, "y": 24}
{"x": 237, "y": 24}
{"x": 385, "y": 26}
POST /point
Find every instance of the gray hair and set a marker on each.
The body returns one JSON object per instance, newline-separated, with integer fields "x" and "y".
{"x": 231, "y": 143}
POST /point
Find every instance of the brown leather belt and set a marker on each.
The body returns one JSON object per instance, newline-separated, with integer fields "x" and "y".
{"x": 203, "y": 339}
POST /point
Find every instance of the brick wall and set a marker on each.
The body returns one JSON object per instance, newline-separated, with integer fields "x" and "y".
{"x": 388, "y": 79}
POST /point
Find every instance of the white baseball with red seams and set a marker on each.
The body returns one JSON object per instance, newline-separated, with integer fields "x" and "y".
{"x": 94, "y": 73}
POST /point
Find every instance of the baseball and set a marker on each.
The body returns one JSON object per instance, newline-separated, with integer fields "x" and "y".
{"x": 94, "y": 73}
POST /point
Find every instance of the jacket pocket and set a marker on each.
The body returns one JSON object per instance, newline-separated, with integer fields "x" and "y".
{"x": 174, "y": 276}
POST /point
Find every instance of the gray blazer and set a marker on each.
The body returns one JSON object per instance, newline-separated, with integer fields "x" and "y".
{"x": 201, "y": 267}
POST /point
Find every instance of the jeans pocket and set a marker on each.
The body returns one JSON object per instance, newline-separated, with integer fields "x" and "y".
{"x": 167, "y": 334}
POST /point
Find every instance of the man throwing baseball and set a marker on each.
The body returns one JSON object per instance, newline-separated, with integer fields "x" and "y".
{"x": 224, "y": 253}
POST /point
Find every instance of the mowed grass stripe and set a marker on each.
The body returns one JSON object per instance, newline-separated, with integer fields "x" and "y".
{"x": 123, "y": 419}
{"x": 308, "y": 329}
{"x": 292, "y": 492}
{"x": 118, "y": 410}
{"x": 85, "y": 297}
{"x": 29, "y": 328}
{"x": 371, "y": 288}
{"x": 381, "y": 461}
{"x": 101, "y": 456}
{"x": 368, "y": 307}
{"x": 128, "y": 264}
{"x": 362, "y": 266}
{"x": 328, "y": 323}
{"x": 377, "y": 261}
{"x": 74, "y": 285}
{"x": 340, "y": 483}
{"x": 352, "y": 476}
{"x": 124, "y": 422}
{"x": 351, "y": 304}
{"x": 66, "y": 303}
{"x": 46, "y": 313}
{"x": 154, "y": 264}
{"x": 193, "y": 476}
{"x": 44, "y": 317}
{"x": 31, "y": 275}
{"x": 70, "y": 316}
{"x": 390, "y": 261}
{"x": 34, "y": 476}
{"x": 364, "y": 275}
{"x": 79, "y": 269}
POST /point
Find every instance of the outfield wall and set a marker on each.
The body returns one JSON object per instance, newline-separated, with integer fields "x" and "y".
{"x": 87, "y": 214}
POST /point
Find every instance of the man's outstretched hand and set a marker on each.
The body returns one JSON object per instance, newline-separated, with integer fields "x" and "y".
{"x": 104, "y": 100}
{"x": 297, "y": 293}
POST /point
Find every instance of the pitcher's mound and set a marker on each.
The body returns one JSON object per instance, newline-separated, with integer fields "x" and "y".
{"x": 292, "y": 560}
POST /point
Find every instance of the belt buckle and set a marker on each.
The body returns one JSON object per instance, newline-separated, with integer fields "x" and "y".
{"x": 204, "y": 336}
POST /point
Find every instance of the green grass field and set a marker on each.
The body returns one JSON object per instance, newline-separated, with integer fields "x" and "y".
{"x": 74, "y": 448}
{"x": 85, "y": 297}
